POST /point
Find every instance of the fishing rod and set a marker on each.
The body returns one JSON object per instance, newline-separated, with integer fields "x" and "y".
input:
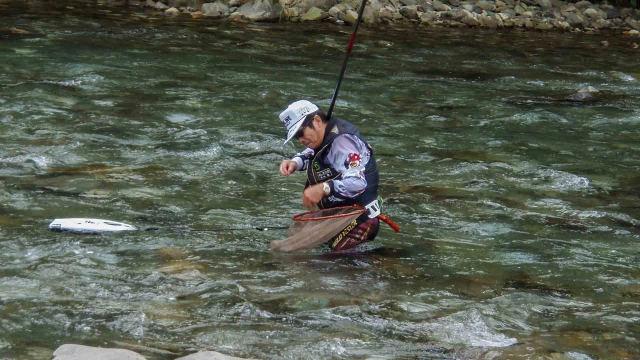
{"x": 346, "y": 58}
{"x": 100, "y": 226}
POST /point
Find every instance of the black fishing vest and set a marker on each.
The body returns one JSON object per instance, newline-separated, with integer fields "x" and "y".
{"x": 318, "y": 171}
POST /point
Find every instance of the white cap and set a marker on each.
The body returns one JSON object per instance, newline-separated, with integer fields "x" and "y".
{"x": 294, "y": 115}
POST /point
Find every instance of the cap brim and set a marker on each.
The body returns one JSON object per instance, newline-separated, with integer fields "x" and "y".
{"x": 293, "y": 130}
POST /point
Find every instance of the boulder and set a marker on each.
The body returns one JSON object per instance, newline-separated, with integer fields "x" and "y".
{"x": 544, "y": 26}
{"x": 210, "y": 355}
{"x": 314, "y": 14}
{"x": 160, "y": 6}
{"x": 545, "y": 4}
{"x": 428, "y": 18}
{"x": 81, "y": 352}
{"x": 468, "y": 18}
{"x": 635, "y": 25}
{"x": 410, "y": 12}
{"x": 172, "y": 12}
{"x": 574, "y": 19}
{"x": 439, "y": 6}
{"x": 385, "y": 15}
{"x": 585, "y": 94}
{"x": 216, "y": 9}
{"x": 591, "y": 13}
{"x": 260, "y": 10}
{"x": 304, "y": 5}
{"x": 350, "y": 17}
{"x": 485, "y": 5}
{"x": 489, "y": 22}
{"x": 582, "y": 4}
{"x": 600, "y": 24}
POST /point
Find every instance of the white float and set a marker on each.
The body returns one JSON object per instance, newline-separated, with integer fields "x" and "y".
{"x": 89, "y": 226}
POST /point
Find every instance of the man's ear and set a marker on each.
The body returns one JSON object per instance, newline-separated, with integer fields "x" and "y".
{"x": 317, "y": 121}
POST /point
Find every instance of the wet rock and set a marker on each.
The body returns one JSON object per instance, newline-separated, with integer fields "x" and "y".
{"x": 172, "y": 253}
{"x": 314, "y": 14}
{"x": 370, "y": 15}
{"x": 569, "y": 224}
{"x": 177, "y": 267}
{"x": 629, "y": 292}
{"x": 210, "y": 355}
{"x": 439, "y": 6}
{"x": 385, "y": 15}
{"x": 582, "y": 4}
{"x": 409, "y": 12}
{"x": 574, "y": 19}
{"x": 585, "y": 94}
{"x": 472, "y": 353}
{"x": 350, "y": 17}
{"x": 523, "y": 281}
{"x": 428, "y": 18}
{"x": 216, "y": 9}
{"x": 81, "y": 352}
{"x": 545, "y": 4}
{"x": 10, "y": 222}
{"x": 486, "y": 5}
{"x": 469, "y": 19}
{"x": 634, "y": 33}
{"x": 520, "y": 9}
{"x": 260, "y": 10}
{"x": 160, "y": 6}
{"x": 172, "y": 12}
{"x": 634, "y": 24}
{"x": 490, "y": 22}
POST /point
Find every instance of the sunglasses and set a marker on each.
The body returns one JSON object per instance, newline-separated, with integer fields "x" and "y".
{"x": 305, "y": 124}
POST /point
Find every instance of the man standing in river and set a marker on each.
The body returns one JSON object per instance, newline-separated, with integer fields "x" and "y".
{"x": 340, "y": 166}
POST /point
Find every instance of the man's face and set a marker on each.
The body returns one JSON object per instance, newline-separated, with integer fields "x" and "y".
{"x": 312, "y": 136}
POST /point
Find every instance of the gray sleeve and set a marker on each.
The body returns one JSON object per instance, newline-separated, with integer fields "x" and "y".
{"x": 302, "y": 158}
{"x": 349, "y": 155}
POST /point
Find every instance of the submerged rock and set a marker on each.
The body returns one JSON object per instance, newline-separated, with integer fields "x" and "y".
{"x": 210, "y": 355}
{"x": 585, "y": 94}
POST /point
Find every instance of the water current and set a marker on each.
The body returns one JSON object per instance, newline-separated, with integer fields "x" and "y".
{"x": 518, "y": 204}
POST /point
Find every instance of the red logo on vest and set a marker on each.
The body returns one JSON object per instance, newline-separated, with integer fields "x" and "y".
{"x": 354, "y": 160}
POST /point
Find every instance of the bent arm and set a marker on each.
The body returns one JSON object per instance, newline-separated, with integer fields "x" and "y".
{"x": 302, "y": 158}
{"x": 349, "y": 155}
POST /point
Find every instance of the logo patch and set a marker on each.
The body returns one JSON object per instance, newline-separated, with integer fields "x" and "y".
{"x": 316, "y": 166}
{"x": 287, "y": 120}
{"x": 324, "y": 174}
{"x": 353, "y": 160}
{"x": 333, "y": 199}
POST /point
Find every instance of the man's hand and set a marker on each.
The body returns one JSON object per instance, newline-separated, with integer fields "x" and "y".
{"x": 288, "y": 167}
{"x": 312, "y": 196}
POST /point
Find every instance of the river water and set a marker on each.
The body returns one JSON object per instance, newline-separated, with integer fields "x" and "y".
{"x": 518, "y": 206}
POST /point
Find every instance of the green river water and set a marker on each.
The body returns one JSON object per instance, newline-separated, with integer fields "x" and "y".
{"x": 519, "y": 207}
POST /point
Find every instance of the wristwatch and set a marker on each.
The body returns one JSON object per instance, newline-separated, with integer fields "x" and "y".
{"x": 326, "y": 188}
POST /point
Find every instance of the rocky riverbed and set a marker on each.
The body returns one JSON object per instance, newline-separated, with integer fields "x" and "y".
{"x": 537, "y": 15}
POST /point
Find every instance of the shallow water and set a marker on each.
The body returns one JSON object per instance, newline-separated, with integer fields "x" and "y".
{"x": 518, "y": 206}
